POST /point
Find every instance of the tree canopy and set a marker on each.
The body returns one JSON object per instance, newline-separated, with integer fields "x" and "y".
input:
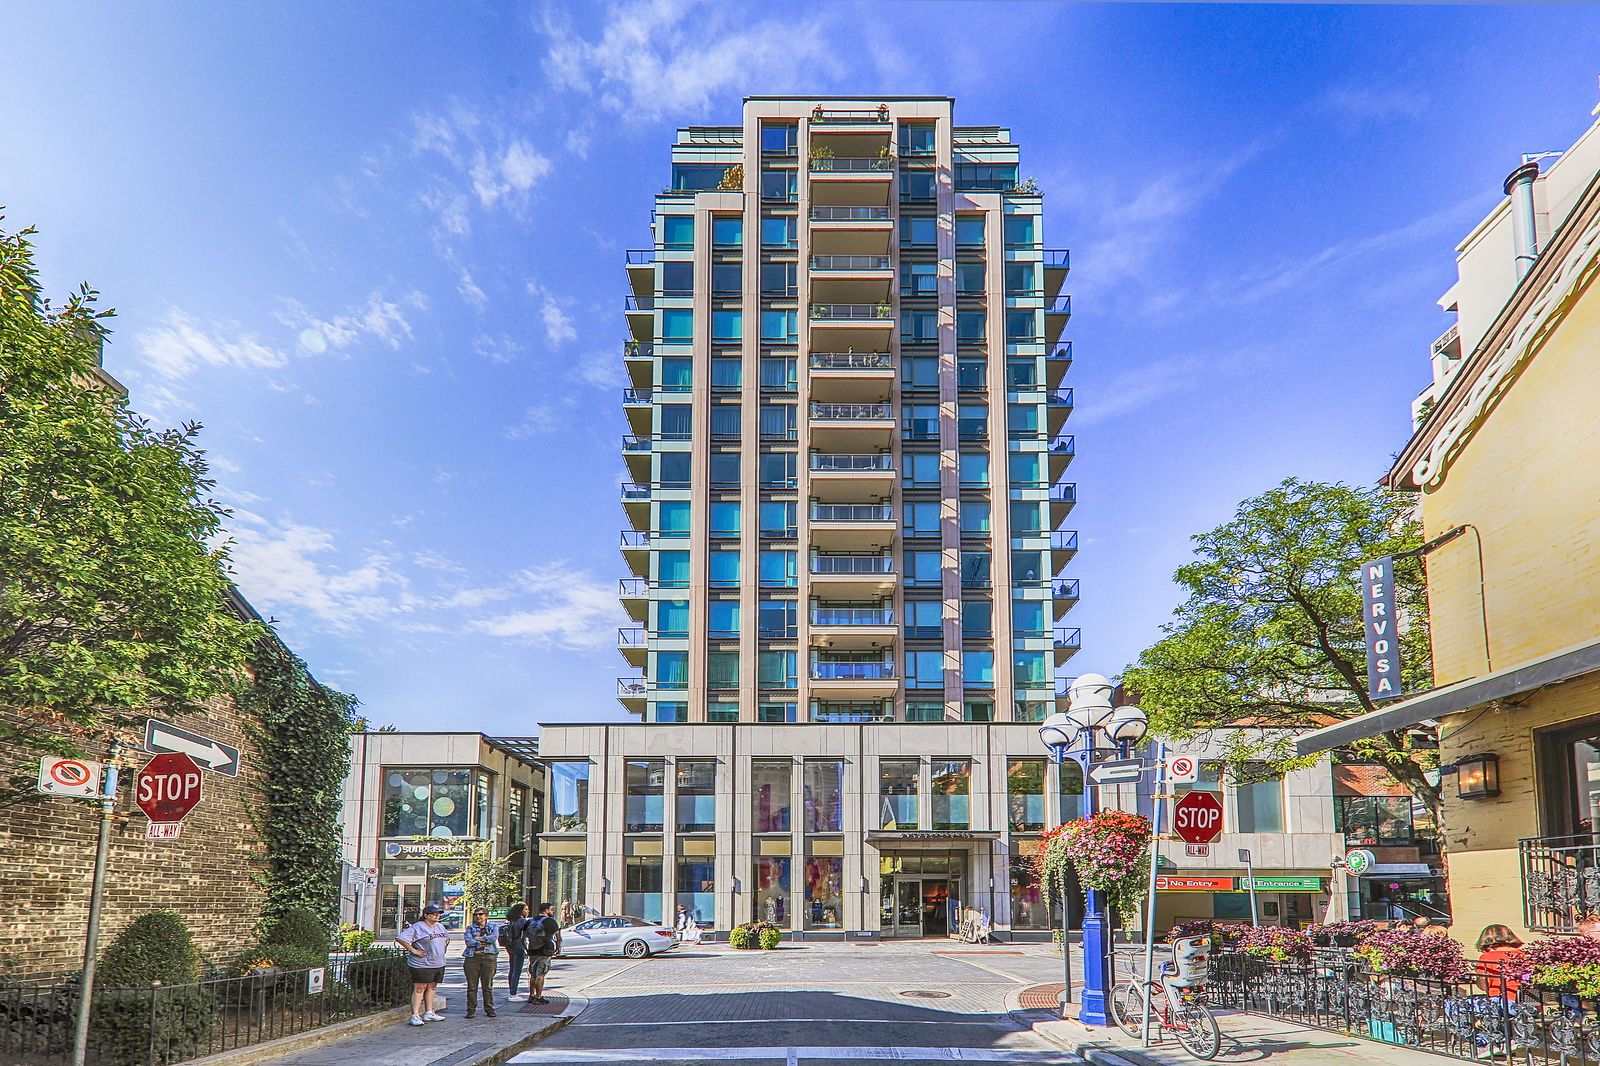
{"x": 112, "y": 586}
{"x": 1270, "y": 638}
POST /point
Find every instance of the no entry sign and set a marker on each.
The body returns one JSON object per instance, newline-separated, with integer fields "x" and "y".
{"x": 1198, "y": 817}
{"x": 168, "y": 787}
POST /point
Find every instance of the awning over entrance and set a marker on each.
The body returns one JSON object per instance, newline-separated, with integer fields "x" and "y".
{"x": 1559, "y": 666}
{"x": 890, "y": 838}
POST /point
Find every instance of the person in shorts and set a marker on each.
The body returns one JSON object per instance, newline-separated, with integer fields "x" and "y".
{"x": 424, "y": 943}
{"x": 544, "y": 944}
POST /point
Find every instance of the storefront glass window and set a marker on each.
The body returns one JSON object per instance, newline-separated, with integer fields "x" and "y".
{"x": 569, "y": 797}
{"x": 1025, "y": 794}
{"x": 897, "y": 791}
{"x": 952, "y": 787}
{"x": 645, "y": 787}
{"x": 697, "y": 798}
{"x": 825, "y": 884}
{"x": 1027, "y": 897}
{"x": 564, "y": 884}
{"x": 697, "y": 878}
{"x": 770, "y": 884}
{"x": 1071, "y": 782}
{"x": 824, "y": 795}
{"x": 432, "y": 803}
{"x": 641, "y": 888}
{"x": 769, "y": 795}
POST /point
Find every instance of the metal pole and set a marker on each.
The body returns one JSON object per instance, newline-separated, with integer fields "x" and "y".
{"x": 108, "y": 803}
{"x": 1066, "y": 956}
{"x": 1250, "y": 879}
{"x": 1093, "y": 1008}
{"x": 1159, "y": 807}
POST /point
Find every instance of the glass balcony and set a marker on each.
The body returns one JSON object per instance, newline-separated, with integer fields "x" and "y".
{"x": 851, "y": 512}
{"x": 1060, "y": 398}
{"x": 1066, "y": 445}
{"x": 633, "y": 396}
{"x": 828, "y": 716}
{"x": 849, "y": 412}
{"x": 1064, "y": 492}
{"x": 638, "y": 303}
{"x": 1069, "y": 638}
{"x": 630, "y": 636}
{"x": 641, "y": 256}
{"x": 850, "y": 262}
{"x": 837, "y": 116}
{"x": 632, "y": 587}
{"x": 1061, "y": 305}
{"x": 632, "y": 443}
{"x": 635, "y": 493}
{"x": 852, "y": 616}
{"x": 826, "y": 670}
{"x": 883, "y": 164}
{"x": 1066, "y": 589}
{"x": 850, "y": 214}
{"x": 638, "y": 349}
{"x": 852, "y": 312}
{"x": 630, "y": 688}
{"x": 1064, "y": 540}
{"x": 833, "y": 461}
{"x": 1057, "y": 259}
{"x": 852, "y": 361}
{"x": 853, "y": 564}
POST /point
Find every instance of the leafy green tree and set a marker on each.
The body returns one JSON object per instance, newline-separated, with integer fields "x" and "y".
{"x": 1271, "y": 636}
{"x": 488, "y": 882}
{"x": 112, "y": 583}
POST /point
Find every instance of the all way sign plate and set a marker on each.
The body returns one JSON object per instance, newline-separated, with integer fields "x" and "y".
{"x": 163, "y": 739}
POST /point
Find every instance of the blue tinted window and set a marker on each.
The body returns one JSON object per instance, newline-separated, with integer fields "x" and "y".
{"x": 677, "y": 231}
{"x": 677, "y": 324}
{"x": 727, "y": 230}
{"x": 727, "y": 325}
{"x": 697, "y": 177}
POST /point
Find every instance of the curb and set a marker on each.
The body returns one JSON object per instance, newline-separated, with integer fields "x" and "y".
{"x": 301, "y": 1041}
{"x": 576, "y": 1005}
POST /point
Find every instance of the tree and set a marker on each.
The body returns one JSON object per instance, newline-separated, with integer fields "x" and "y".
{"x": 487, "y": 882}
{"x": 112, "y": 592}
{"x": 1271, "y": 637}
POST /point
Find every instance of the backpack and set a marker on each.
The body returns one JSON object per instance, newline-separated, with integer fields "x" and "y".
{"x": 509, "y": 931}
{"x": 538, "y": 936}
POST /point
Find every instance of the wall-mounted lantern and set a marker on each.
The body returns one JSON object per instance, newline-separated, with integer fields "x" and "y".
{"x": 1478, "y": 776}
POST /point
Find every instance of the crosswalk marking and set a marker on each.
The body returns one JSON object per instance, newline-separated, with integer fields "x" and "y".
{"x": 785, "y": 1054}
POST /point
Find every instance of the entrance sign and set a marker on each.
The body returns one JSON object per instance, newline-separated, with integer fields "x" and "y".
{"x": 1359, "y": 861}
{"x": 1377, "y": 614}
{"x": 161, "y": 738}
{"x": 1115, "y": 771}
{"x": 1197, "y": 817}
{"x": 1167, "y": 883}
{"x": 69, "y": 777}
{"x": 168, "y": 788}
{"x": 1285, "y": 884}
{"x": 1183, "y": 769}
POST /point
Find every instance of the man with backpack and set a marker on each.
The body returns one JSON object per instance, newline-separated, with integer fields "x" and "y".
{"x": 544, "y": 944}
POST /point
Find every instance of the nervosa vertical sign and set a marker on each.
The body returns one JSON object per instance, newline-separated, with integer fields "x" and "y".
{"x": 1377, "y": 612}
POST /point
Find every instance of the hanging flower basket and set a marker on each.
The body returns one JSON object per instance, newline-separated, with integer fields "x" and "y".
{"x": 1110, "y": 853}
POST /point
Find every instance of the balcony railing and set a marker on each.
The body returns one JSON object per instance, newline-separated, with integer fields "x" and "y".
{"x": 1064, "y": 540}
{"x": 852, "y": 361}
{"x": 848, "y": 412}
{"x": 635, "y": 538}
{"x": 1062, "y": 352}
{"x": 850, "y": 214}
{"x": 823, "y": 116}
{"x": 635, "y": 492}
{"x": 631, "y": 443}
{"x": 852, "y": 564}
{"x": 1057, "y": 259}
{"x": 824, "y": 670}
{"x": 630, "y": 687}
{"x": 869, "y": 312}
{"x": 850, "y": 717}
{"x": 846, "y": 164}
{"x": 1061, "y": 305}
{"x": 1069, "y": 638}
{"x": 836, "y": 461}
{"x": 1066, "y": 492}
{"x": 639, "y": 303}
{"x": 631, "y": 587}
{"x": 637, "y": 349}
{"x": 852, "y": 616}
{"x": 1560, "y": 880}
{"x": 851, "y": 512}
{"x": 641, "y": 256}
{"x": 849, "y": 262}
{"x": 1067, "y": 445}
{"x": 1061, "y": 398}
{"x": 630, "y": 636}
{"x": 1447, "y": 339}
{"x": 1066, "y": 590}
{"x": 636, "y": 395}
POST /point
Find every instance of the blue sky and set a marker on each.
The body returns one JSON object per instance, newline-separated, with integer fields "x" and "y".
{"x": 377, "y": 250}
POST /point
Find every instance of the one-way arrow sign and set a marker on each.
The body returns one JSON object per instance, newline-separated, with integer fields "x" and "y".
{"x": 1115, "y": 772}
{"x": 161, "y": 738}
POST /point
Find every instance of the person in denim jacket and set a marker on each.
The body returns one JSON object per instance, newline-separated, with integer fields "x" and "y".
{"x": 479, "y": 959}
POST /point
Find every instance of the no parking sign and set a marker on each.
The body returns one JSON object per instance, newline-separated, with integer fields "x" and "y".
{"x": 69, "y": 777}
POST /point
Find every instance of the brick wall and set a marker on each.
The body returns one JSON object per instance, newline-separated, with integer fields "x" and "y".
{"x": 207, "y": 875}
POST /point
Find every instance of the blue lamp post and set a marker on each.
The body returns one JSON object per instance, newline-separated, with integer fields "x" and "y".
{"x": 1071, "y": 736}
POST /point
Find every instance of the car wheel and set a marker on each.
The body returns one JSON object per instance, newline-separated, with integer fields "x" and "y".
{"x": 636, "y": 949}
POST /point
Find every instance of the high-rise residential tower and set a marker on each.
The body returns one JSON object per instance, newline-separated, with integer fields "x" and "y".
{"x": 846, "y": 460}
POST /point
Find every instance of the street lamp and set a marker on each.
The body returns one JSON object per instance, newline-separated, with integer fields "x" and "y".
{"x": 1071, "y": 735}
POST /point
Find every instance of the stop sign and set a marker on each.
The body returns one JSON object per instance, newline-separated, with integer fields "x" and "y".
{"x": 168, "y": 787}
{"x": 1198, "y": 817}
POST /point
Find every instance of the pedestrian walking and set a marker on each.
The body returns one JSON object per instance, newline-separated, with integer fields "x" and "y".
{"x": 544, "y": 944}
{"x": 514, "y": 938}
{"x": 479, "y": 959}
{"x": 424, "y": 943}
{"x": 688, "y": 929}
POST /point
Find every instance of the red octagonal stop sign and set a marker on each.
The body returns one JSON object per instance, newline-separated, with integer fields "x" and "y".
{"x": 1198, "y": 817}
{"x": 168, "y": 787}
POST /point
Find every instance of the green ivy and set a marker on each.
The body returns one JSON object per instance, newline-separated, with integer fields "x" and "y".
{"x": 301, "y": 731}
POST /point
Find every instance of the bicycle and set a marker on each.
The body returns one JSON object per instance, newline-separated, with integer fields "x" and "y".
{"x": 1177, "y": 1002}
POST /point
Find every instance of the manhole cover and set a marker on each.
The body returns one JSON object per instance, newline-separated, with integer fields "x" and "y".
{"x": 923, "y": 993}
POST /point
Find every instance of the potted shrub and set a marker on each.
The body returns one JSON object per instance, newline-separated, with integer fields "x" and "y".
{"x": 1109, "y": 851}
{"x": 1412, "y": 952}
{"x": 821, "y": 157}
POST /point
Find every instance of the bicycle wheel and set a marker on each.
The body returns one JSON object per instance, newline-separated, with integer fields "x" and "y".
{"x": 1198, "y": 1032}
{"x": 1127, "y": 1008}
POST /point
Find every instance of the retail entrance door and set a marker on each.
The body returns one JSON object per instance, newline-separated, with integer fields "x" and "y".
{"x": 918, "y": 907}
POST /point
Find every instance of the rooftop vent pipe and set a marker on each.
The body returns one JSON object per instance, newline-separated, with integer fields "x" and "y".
{"x": 1519, "y": 186}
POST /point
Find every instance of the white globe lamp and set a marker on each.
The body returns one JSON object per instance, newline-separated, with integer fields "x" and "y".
{"x": 1127, "y": 725}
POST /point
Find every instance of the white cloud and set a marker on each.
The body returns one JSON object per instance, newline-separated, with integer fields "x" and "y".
{"x": 569, "y": 609}
{"x": 602, "y": 370}
{"x": 558, "y": 327}
{"x": 1378, "y": 101}
{"x": 381, "y": 319}
{"x": 498, "y": 348}
{"x": 290, "y": 567}
{"x": 184, "y": 343}
{"x": 537, "y": 420}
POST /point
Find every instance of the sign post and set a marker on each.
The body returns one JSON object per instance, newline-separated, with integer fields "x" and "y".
{"x": 91, "y": 947}
{"x": 1160, "y": 805}
{"x": 1250, "y": 881}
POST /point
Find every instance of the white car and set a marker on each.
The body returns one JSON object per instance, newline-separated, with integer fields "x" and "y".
{"x": 633, "y": 937}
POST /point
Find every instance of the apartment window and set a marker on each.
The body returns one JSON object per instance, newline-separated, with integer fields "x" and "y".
{"x": 677, "y": 374}
{"x": 569, "y": 797}
{"x": 677, "y": 324}
{"x": 723, "y": 569}
{"x": 1022, "y": 279}
{"x": 777, "y": 470}
{"x": 777, "y": 518}
{"x": 698, "y": 177}
{"x": 779, "y": 139}
{"x": 925, "y": 669}
{"x": 1022, "y": 374}
{"x": 977, "y": 619}
{"x": 1030, "y": 669}
{"x": 644, "y": 780}
{"x": 916, "y": 138}
{"x": 975, "y": 569}
{"x": 1027, "y": 518}
{"x": 1027, "y": 470}
{"x": 722, "y": 619}
{"x": 1028, "y": 618}
{"x": 969, "y": 230}
{"x": 924, "y": 711}
{"x": 1380, "y": 821}
{"x": 974, "y": 467}
{"x": 1023, "y": 325}
{"x": 898, "y": 781}
{"x": 676, "y": 420}
{"x": 919, "y": 470}
{"x": 722, "y": 669}
{"x": 1032, "y": 710}
{"x": 971, "y": 325}
{"x": 778, "y": 279}
{"x": 775, "y": 669}
{"x": 778, "y": 569}
{"x": 777, "y": 619}
{"x": 672, "y": 518}
{"x": 974, "y": 518}
{"x": 671, "y": 669}
{"x": 917, "y": 184}
{"x": 677, "y": 231}
{"x": 672, "y": 570}
{"x": 1027, "y": 567}
{"x": 727, "y": 325}
{"x": 778, "y": 185}
{"x": 778, "y": 421}
{"x": 823, "y": 783}
{"x": 672, "y": 618}
{"x": 977, "y": 711}
{"x": 725, "y": 519}
{"x": 919, "y": 279}
{"x": 672, "y": 469}
{"x": 920, "y": 421}
{"x": 923, "y": 568}
{"x": 669, "y": 712}
{"x": 972, "y": 421}
{"x": 775, "y": 712}
{"x": 723, "y": 711}
{"x": 778, "y": 232}
{"x": 1025, "y": 795}
{"x": 677, "y": 278}
{"x": 918, "y": 229}
{"x": 778, "y": 373}
{"x": 1021, "y": 230}
{"x": 919, "y": 325}
{"x": 977, "y": 669}
{"x": 922, "y": 519}
{"x": 951, "y": 806}
{"x": 727, "y": 279}
{"x": 724, "y": 468}
{"x": 972, "y": 375}
{"x": 778, "y": 327}
{"x": 1258, "y": 806}
{"x": 971, "y": 278}
{"x": 727, "y": 231}
{"x": 919, "y": 372}
{"x": 1022, "y": 421}
{"x": 726, "y": 374}
{"x": 986, "y": 177}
